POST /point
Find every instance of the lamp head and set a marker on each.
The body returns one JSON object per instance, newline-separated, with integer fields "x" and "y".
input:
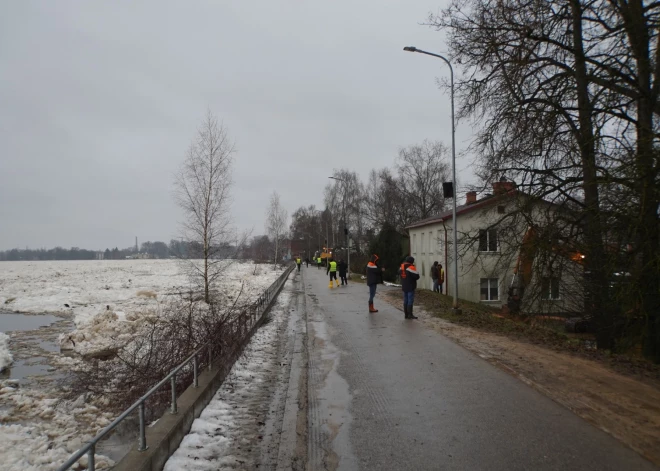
{"x": 410, "y": 49}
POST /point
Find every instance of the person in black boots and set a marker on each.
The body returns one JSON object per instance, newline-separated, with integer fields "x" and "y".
{"x": 409, "y": 277}
{"x": 342, "y": 268}
{"x": 374, "y": 277}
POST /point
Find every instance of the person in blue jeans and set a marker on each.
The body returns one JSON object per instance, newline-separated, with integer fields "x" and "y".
{"x": 409, "y": 277}
{"x": 374, "y": 277}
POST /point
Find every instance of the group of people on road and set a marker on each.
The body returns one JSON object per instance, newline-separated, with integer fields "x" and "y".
{"x": 407, "y": 272}
{"x": 334, "y": 268}
{"x": 409, "y": 276}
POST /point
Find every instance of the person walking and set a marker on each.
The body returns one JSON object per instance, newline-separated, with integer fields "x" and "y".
{"x": 435, "y": 273}
{"x": 374, "y": 277}
{"x": 298, "y": 262}
{"x": 332, "y": 270}
{"x": 409, "y": 277}
{"x": 318, "y": 263}
{"x": 342, "y": 268}
{"x": 306, "y": 262}
{"x": 441, "y": 277}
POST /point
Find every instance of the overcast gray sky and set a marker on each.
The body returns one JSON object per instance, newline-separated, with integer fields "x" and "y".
{"x": 99, "y": 101}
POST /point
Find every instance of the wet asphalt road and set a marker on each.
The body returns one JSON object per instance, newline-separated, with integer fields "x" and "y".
{"x": 388, "y": 394}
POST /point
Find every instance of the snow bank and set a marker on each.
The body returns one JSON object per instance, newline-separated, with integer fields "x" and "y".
{"x": 105, "y": 330}
{"x": 86, "y": 286}
{"x": 40, "y": 433}
{"x": 5, "y": 355}
{"x": 38, "y": 430}
{"x": 230, "y": 427}
{"x": 108, "y": 298}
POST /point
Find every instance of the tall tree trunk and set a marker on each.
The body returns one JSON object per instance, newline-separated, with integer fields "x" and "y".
{"x": 648, "y": 230}
{"x": 597, "y": 289}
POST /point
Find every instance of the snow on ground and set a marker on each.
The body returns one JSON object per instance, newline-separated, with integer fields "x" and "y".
{"x": 108, "y": 297}
{"x": 38, "y": 429}
{"x": 5, "y": 355}
{"x": 39, "y": 432}
{"x": 227, "y": 434}
{"x": 89, "y": 286}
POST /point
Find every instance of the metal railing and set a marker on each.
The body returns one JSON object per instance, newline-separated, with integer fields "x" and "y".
{"x": 256, "y": 310}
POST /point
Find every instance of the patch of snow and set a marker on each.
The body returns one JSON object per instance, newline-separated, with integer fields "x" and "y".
{"x": 109, "y": 299}
{"x": 387, "y": 283}
{"x": 39, "y": 430}
{"x": 5, "y": 355}
{"x": 40, "y": 433}
{"x": 230, "y": 427}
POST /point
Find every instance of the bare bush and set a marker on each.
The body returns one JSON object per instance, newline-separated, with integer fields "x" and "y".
{"x": 161, "y": 344}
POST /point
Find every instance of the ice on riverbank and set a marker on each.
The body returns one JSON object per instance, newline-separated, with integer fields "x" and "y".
{"x": 5, "y": 355}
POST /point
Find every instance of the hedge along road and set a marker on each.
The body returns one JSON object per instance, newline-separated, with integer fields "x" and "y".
{"x": 389, "y": 394}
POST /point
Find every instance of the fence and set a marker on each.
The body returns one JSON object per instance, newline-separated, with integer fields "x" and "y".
{"x": 241, "y": 326}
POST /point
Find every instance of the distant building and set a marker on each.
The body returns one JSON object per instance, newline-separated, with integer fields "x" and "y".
{"x": 140, "y": 256}
{"x": 99, "y": 256}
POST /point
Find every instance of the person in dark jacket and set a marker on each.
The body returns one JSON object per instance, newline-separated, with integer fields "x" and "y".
{"x": 342, "y": 268}
{"x": 435, "y": 274}
{"x": 374, "y": 277}
{"x": 409, "y": 277}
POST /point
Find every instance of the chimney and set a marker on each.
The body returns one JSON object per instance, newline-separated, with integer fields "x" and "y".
{"x": 471, "y": 197}
{"x": 503, "y": 186}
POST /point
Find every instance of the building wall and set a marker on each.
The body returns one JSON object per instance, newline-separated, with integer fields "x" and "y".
{"x": 428, "y": 245}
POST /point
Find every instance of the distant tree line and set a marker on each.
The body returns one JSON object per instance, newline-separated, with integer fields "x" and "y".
{"x": 156, "y": 249}
{"x": 375, "y": 213}
{"x": 58, "y": 253}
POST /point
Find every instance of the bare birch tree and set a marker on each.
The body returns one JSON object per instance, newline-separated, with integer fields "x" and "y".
{"x": 202, "y": 191}
{"x": 276, "y": 221}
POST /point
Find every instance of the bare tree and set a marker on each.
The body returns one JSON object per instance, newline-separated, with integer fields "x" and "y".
{"x": 414, "y": 192}
{"x": 276, "y": 221}
{"x": 567, "y": 95}
{"x": 202, "y": 191}
{"x": 422, "y": 168}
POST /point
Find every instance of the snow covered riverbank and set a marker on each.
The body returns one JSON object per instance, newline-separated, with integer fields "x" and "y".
{"x": 107, "y": 301}
{"x": 229, "y": 432}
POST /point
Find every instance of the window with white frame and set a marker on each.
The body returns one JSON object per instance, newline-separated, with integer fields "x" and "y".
{"x": 431, "y": 242}
{"x": 440, "y": 242}
{"x": 414, "y": 244}
{"x": 489, "y": 289}
{"x": 423, "y": 246}
{"x": 488, "y": 240}
{"x": 549, "y": 288}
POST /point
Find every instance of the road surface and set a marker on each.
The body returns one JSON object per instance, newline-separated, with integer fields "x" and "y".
{"x": 386, "y": 393}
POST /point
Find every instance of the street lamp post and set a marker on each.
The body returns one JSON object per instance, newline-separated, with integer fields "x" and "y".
{"x": 453, "y": 169}
{"x": 343, "y": 205}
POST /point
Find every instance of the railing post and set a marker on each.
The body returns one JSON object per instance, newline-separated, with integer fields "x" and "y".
{"x": 195, "y": 366}
{"x": 91, "y": 465}
{"x": 210, "y": 356}
{"x": 173, "y": 384}
{"x": 142, "y": 443}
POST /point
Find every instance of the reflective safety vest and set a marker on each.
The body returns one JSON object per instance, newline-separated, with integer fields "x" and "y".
{"x": 333, "y": 266}
{"x": 298, "y": 261}
{"x": 319, "y": 260}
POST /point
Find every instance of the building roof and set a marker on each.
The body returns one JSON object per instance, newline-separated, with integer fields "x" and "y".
{"x": 463, "y": 209}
